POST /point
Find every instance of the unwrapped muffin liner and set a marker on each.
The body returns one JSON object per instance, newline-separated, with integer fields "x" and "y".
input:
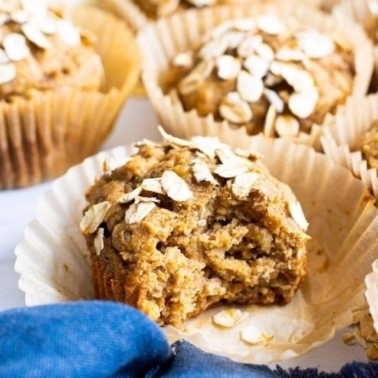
{"x": 162, "y": 40}
{"x": 54, "y": 265}
{"x": 42, "y": 136}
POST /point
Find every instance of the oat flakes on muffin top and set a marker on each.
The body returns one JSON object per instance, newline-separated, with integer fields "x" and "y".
{"x": 266, "y": 74}
{"x": 41, "y": 49}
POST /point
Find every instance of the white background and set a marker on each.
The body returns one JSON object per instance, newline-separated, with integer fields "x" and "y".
{"x": 17, "y": 209}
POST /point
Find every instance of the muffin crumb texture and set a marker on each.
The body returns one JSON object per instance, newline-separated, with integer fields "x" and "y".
{"x": 185, "y": 225}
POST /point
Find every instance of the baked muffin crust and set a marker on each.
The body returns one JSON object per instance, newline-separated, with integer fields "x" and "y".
{"x": 185, "y": 225}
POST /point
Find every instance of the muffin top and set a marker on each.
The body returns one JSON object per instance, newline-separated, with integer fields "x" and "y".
{"x": 42, "y": 50}
{"x": 270, "y": 75}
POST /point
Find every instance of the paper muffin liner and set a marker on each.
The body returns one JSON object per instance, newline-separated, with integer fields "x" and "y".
{"x": 359, "y": 11}
{"x": 42, "y": 136}
{"x": 54, "y": 264}
{"x": 344, "y": 131}
{"x": 162, "y": 40}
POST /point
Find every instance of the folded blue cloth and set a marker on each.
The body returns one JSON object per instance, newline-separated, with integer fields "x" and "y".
{"x": 106, "y": 339}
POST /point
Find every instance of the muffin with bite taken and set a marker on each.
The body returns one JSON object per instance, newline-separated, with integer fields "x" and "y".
{"x": 186, "y": 225}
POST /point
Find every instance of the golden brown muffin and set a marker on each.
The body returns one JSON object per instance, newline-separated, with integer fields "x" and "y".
{"x": 41, "y": 49}
{"x": 265, "y": 73}
{"x": 62, "y": 85}
{"x": 185, "y": 225}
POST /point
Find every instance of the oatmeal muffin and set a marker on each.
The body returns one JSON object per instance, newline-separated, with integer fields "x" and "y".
{"x": 276, "y": 71}
{"x": 52, "y": 55}
{"x": 185, "y": 225}
{"x": 363, "y": 11}
{"x": 57, "y": 82}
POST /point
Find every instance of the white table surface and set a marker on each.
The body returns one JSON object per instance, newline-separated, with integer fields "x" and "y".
{"x": 17, "y": 209}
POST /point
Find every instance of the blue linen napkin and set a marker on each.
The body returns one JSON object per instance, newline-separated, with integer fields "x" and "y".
{"x": 112, "y": 340}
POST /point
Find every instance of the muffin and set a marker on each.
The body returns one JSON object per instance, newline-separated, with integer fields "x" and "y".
{"x": 342, "y": 223}
{"x": 61, "y": 88}
{"x": 185, "y": 225}
{"x": 351, "y": 139}
{"x": 255, "y": 71}
{"x": 55, "y": 56}
{"x": 264, "y": 75}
